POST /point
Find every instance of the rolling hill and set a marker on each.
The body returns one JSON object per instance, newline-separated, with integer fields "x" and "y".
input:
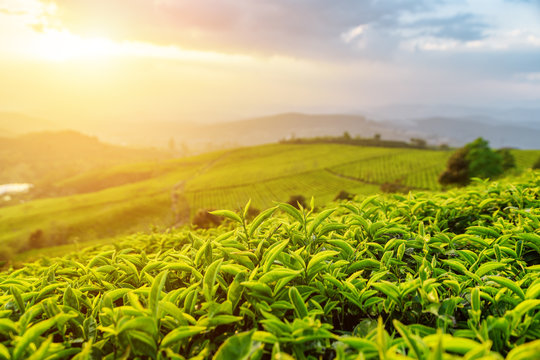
{"x": 141, "y": 197}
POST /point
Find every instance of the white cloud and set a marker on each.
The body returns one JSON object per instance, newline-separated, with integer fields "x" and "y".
{"x": 353, "y": 33}
{"x": 532, "y": 76}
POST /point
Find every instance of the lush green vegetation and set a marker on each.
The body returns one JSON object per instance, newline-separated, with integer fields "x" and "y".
{"x": 422, "y": 276}
{"x": 476, "y": 160}
{"x": 417, "y": 169}
{"x": 141, "y": 197}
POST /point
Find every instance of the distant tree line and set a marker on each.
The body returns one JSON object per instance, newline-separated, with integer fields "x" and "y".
{"x": 376, "y": 140}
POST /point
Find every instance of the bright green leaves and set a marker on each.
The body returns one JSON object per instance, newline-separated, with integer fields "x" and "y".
{"x": 318, "y": 220}
{"x": 300, "y": 308}
{"x": 155, "y": 292}
{"x": 489, "y": 267}
{"x": 180, "y": 333}
{"x": 509, "y": 284}
{"x": 238, "y": 347}
{"x": 228, "y": 214}
{"x": 210, "y": 279}
{"x": 18, "y": 298}
{"x": 259, "y": 219}
{"x": 443, "y": 279}
{"x": 317, "y": 262}
{"x": 32, "y": 333}
{"x": 413, "y": 342}
{"x": 70, "y": 299}
{"x": 272, "y": 253}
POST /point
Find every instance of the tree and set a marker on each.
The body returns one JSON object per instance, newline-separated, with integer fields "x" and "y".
{"x": 508, "y": 160}
{"x": 297, "y": 201}
{"x": 457, "y": 169}
{"x": 536, "y": 164}
{"x": 475, "y": 159}
{"x": 483, "y": 162}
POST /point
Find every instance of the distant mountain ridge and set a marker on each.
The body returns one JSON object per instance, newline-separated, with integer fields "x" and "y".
{"x": 461, "y": 131}
{"x": 393, "y": 123}
{"x": 12, "y": 124}
{"x": 454, "y": 131}
{"x": 50, "y": 156}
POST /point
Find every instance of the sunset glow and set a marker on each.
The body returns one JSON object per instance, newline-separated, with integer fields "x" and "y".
{"x": 213, "y": 61}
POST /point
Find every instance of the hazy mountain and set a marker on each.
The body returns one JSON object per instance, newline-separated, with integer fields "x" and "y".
{"x": 513, "y": 127}
{"x": 514, "y": 116}
{"x": 253, "y": 131}
{"x": 50, "y": 156}
{"x": 461, "y": 131}
{"x": 273, "y": 128}
{"x": 12, "y": 124}
{"x": 454, "y": 131}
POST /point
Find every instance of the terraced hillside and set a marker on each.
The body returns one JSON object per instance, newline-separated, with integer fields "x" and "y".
{"x": 160, "y": 194}
{"x": 452, "y": 275}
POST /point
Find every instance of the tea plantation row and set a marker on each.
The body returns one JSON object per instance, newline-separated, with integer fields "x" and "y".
{"x": 423, "y": 276}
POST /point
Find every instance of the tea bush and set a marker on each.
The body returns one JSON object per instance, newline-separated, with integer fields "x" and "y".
{"x": 423, "y": 276}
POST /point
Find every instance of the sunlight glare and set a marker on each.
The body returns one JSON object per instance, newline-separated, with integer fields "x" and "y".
{"x": 61, "y": 45}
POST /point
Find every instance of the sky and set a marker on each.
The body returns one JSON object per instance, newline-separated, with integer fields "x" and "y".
{"x": 79, "y": 61}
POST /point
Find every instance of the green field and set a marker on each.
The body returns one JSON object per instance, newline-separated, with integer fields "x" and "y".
{"x": 428, "y": 275}
{"x": 140, "y": 197}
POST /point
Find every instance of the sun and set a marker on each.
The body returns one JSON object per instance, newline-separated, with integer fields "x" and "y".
{"x": 61, "y": 45}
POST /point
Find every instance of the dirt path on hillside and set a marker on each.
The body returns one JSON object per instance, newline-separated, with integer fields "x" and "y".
{"x": 180, "y": 207}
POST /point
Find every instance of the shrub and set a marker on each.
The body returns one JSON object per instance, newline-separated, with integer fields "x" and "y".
{"x": 457, "y": 169}
{"x": 536, "y": 164}
{"x": 37, "y": 239}
{"x": 6, "y": 254}
{"x": 483, "y": 162}
{"x": 344, "y": 195}
{"x": 475, "y": 159}
{"x": 508, "y": 160}
{"x": 203, "y": 219}
{"x": 297, "y": 201}
{"x": 252, "y": 213}
{"x": 395, "y": 187}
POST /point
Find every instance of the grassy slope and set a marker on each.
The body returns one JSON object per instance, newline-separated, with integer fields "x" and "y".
{"x": 426, "y": 276}
{"x": 225, "y": 179}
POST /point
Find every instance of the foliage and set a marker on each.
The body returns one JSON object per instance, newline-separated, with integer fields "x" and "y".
{"x": 536, "y": 164}
{"x": 297, "y": 201}
{"x": 204, "y": 219}
{"x": 395, "y": 187}
{"x": 476, "y": 159}
{"x": 417, "y": 169}
{"x": 508, "y": 159}
{"x": 457, "y": 169}
{"x": 344, "y": 195}
{"x": 358, "y": 140}
{"x": 138, "y": 196}
{"x": 483, "y": 162}
{"x": 427, "y": 276}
